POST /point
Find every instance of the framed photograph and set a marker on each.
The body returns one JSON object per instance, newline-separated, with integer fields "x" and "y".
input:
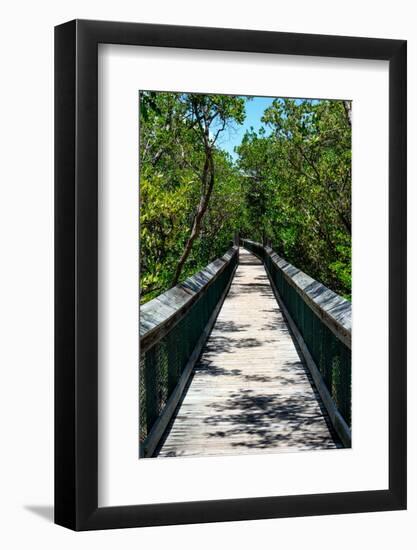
{"x": 230, "y": 252}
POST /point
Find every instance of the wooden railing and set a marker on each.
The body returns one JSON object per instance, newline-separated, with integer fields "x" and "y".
{"x": 173, "y": 329}
{"x": 321, "y": 321}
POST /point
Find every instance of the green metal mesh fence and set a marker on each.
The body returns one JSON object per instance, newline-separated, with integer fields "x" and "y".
{"x": 331, "y": 355}
{"x": 162, "y": 364}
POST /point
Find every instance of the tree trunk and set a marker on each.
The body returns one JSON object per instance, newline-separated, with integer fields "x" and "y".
{"x": 348, "y": 111}
{"x": 208, "y": 183}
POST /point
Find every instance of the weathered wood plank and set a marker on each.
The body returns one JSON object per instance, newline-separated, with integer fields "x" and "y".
{"x": 250, "y": 391}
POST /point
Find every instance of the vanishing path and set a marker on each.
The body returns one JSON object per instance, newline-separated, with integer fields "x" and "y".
{"x": 250, "y": 391}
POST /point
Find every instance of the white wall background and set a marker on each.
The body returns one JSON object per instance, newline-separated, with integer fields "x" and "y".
{"x": 26, "y": 286}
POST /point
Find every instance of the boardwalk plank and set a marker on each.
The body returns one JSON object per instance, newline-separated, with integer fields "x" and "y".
{"x": 250, "y": 390}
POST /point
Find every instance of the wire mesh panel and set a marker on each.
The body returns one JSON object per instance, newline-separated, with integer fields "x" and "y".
{"x": 331, "y": 356}
{"x": 162, "y": 364}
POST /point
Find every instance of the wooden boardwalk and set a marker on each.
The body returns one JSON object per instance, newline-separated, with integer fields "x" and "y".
{"x": 250, "y": 391}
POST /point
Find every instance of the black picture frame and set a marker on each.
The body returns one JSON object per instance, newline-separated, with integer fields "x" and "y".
{"x": 76, "y": 271}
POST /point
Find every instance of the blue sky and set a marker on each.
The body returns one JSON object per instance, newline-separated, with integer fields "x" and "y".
{"x": 254, "y": 110}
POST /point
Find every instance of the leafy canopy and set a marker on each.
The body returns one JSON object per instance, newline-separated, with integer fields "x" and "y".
{"x": 290, "y": 185}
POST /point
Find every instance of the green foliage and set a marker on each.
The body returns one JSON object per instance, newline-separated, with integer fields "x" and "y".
{"x": 298, "y": 187}
{"x": 291, "y": 185}
{"x": 173, "y": 155}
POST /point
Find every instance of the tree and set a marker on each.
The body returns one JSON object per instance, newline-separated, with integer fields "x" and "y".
{"x": 181, "y": 170}
{"x": 300, "y": 167}
{"x": 209, "y": 116}
{"x": 254, "y": 165}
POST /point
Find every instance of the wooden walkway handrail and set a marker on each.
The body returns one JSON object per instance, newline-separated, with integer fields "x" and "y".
{"x": 158, "y": 316}
{"x": 173, "y": 328}
{"x": 334, "y": 310}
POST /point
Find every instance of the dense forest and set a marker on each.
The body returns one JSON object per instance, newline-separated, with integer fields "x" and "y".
{"x": 288, "y": 185}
